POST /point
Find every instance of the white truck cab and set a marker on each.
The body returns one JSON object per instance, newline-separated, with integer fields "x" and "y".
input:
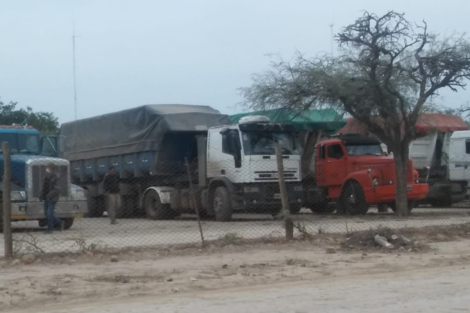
{"x": 437, "y": 157}
{"x": 241, "y": 160}
{"x": 459, "y": 156}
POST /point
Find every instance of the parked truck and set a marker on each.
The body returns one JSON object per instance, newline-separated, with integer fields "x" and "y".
{"x": 232, "y": 166}
{"x": 352, "y": 172}
{"x": 28, "y": 168}
{"x": 347, "y": 173}
{"x": 430, "y": 152}
{"x": 459, "y": 159}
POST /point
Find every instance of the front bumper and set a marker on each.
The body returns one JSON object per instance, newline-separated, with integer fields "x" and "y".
{"x": 269, "y": 196}
{"x": 35, "y": 210}
{"x": 387, "y": 193}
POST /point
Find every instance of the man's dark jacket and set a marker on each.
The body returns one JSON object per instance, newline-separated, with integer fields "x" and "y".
{"x": 50, "y": 189}
{"x": 111, "y": 184}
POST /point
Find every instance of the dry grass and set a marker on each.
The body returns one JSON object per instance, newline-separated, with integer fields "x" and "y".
{"x": 233, "y": 242}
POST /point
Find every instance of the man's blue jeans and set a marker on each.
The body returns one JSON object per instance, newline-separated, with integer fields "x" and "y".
{"x": 49, "y": 211}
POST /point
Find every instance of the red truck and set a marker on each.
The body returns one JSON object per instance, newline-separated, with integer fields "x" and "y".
{"x": 353, "y": 172}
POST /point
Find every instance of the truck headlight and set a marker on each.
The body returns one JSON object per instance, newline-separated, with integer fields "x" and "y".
{"x": 17, "y": 195}
{"x": 375, "y": 182}
{"x": 251, "y": 189}
{"x": 78, "y": 195}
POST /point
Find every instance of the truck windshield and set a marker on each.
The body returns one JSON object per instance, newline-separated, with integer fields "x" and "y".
{"x": 21, "y": 143}
{"x": 355, "y": 150}
{"x": 262, "y": 143}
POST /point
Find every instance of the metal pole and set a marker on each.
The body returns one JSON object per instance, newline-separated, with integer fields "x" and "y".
{"x": 8, "y": 239}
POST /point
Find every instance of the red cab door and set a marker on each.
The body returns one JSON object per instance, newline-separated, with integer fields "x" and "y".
{"x": 331, "y": 166}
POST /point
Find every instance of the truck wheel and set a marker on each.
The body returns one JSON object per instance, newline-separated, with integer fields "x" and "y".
{"x": 221, "y": 204}
{"x": 353, "y": 200}
{"x": 411, "y": 205}
{"x": 68, "y": 222}
{"x": 155, "y": 209}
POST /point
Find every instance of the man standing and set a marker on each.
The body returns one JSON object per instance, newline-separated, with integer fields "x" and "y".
{"x": 111, "y": 190}
{"x": 50, "y": 195}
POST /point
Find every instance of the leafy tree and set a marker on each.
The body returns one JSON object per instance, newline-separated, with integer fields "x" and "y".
{"x": 386, "y": 70}
{"x": 45, "y": 122}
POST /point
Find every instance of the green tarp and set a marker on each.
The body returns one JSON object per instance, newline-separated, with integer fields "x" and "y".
{"x": 327, "y": 120}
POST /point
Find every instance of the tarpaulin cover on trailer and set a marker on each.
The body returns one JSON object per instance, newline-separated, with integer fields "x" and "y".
{"x": 327, "y": 120}
{"x": 134, "y": 130}
{"x": 427, "y": 123}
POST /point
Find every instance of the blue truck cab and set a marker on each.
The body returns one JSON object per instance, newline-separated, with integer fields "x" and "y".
{"x": 28, "y": 168}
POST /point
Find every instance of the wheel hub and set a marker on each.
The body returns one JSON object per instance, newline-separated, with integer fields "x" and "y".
{"x": 217, "y": 204}
{"x": 352, "y": 199}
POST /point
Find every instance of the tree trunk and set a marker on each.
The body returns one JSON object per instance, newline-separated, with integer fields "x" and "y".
{"x": 401, "y": 166}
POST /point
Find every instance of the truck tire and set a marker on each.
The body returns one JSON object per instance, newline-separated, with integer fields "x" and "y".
{"x": 221, "y": 204}
{"x": 353, "y": 200}
{"x": 155, "y": 209}
{"x": 68, "y": 222}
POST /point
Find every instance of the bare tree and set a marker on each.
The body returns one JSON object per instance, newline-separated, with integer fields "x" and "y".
{"x": 386, "y": 70}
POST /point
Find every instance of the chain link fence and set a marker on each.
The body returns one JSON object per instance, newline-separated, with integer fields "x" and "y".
{"x": 233, "y": 202}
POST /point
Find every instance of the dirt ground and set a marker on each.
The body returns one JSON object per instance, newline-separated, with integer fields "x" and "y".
{"x": 66, "y": 281}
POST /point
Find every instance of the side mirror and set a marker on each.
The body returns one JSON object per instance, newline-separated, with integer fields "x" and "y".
{"x": 428, "y": 172}
{"x": 61, "y": 145}
{"x": 224, "y": 131}
{"x": 237, "y": 155}
{"x": 238, "y": 161}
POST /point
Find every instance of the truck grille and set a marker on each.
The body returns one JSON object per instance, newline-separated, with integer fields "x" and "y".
{"x": 39, "y": 172}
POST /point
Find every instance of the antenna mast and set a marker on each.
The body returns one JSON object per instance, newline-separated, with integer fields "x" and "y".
{"x": 74, "y": 74}
{"x": 332, "y": 39}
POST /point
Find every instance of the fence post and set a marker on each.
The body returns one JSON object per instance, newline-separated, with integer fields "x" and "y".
{"x": 193, "y": 201}
{"x": 8, "y": 240}
{"x": 289, "y": 225}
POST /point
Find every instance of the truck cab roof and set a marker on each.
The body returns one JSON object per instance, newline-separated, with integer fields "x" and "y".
{"x": 17, "y": 130}
{"x": 265, "y": 127}
{"x": 461, "y": 134}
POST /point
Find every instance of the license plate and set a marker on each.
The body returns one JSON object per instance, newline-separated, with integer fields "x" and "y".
{"x": 409, "y": 188}
{"x": 277, "y": 196}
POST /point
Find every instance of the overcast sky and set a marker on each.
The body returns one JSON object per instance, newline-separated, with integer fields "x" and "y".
{"x": 130, "y": 53}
